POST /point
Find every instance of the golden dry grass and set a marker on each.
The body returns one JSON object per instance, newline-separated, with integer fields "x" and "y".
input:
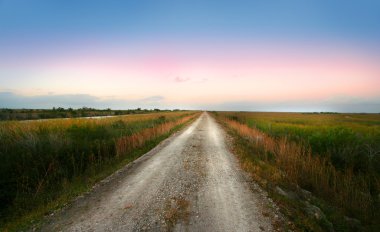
{"x": 126, "y": 144}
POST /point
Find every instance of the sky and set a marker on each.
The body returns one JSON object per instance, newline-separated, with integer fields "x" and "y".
{"x": 272, "y": 55}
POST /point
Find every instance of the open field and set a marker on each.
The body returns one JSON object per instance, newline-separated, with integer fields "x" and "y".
{"x": 46, "y": 163}
{"x": 335, "y": 157}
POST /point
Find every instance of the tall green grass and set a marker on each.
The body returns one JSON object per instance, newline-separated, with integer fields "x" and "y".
{"x": 350, "y": 141}
{"x": 39, "y": 159}
{"x": 337, "y": 160}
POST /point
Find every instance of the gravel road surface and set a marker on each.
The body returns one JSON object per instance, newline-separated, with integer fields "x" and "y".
{"x": 190, "y": 182}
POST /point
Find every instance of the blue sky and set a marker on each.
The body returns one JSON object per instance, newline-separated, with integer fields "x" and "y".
{"x": 143, "y": 18}
{"x": 44, "y": 43}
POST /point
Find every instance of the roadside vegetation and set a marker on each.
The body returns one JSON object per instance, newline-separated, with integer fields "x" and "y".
{"x": 59, "y": 112}
{"x": 322, "y": 169}
{"x": 44, "y": 164}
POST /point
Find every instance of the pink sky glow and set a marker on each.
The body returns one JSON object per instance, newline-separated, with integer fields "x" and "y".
{"x": 207, "y": 75}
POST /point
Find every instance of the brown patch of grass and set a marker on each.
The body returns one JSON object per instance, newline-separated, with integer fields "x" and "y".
{"x": 186, "y": 165}
{"x": 128, "y": 206}
{"x": 177, "y": 209}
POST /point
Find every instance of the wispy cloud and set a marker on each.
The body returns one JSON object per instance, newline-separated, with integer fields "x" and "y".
{"x": 179, "y": 79}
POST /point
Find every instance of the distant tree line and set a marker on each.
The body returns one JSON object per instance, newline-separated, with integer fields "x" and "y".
{"x": 60, "y": 112}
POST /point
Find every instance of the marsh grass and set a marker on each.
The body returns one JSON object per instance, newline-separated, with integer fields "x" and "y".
{"x": 45, "y": 163}
{"x": 349, "y": 141}
{"x": 275, "y": 158}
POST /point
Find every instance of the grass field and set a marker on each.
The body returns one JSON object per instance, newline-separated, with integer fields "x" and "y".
{"x": 46, "y": 163}
{"x": 349, "y": 140}
{"x": 334, "y": 156}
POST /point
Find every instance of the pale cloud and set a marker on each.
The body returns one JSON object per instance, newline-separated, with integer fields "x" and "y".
{"x": 179, "y": 79}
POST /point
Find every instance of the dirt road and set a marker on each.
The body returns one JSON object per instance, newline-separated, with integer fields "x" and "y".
{"x": 190, "y": 182}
